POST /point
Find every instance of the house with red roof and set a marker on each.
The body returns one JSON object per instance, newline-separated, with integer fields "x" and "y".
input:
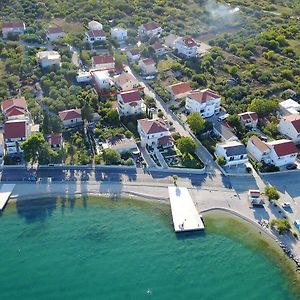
{"x": 154, "y": 133}
{"x": 103, "y": 62}
{"x": 290, "y": 127}
{"x": 279, "y": 153}
{"x": 150, "y": 29}
{"x": 15, "y": 108}
{"x": 130, "y": 103}
{"x": 93, "y": 36}
{"x": 206, "y": 102}
{"x": 55, "y": 33}
{"x": 13, "y": 27}
{"x": 55, "y": 140}
{"x": 186, "y": 47}
{"x": 133, "y": 55}
{"x": 14, "y": 133}
{"x": 126, "y": 81}
{"x": 71, "y": 117}
{"x": 159, "y": 48}
{"x": 148, "y": 66}
{"x": 283, "y": 152}
{"x": 249, "y": 119}
{"x": 179, "y": 90}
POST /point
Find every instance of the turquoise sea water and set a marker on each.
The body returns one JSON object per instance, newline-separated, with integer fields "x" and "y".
{"x": 111, "y": 250}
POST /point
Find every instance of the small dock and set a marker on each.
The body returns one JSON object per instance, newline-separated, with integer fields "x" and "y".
{"x": 5, "y": 192}
{"x": 184, "y": 213}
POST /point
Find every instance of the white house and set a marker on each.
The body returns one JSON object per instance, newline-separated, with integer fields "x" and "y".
{"x": 15, "y": 108}
{"x": 234, "y": 152}
{"x": 289, "y": 107}
{"x": 48, "y": 58}
{"x": 150, "y": 29}
{"x": 14, "y": 133}
{"x": 179, "y": 90}
{"x": 249, "y": 119}
{"x": 83, "y": 77}
{"x": 126, "y": 81}
{"x": 102, "y": 79}
{"x": 95, "y": 36}
{"x": 283, "y": 152}
{"x": 133, "y": 55}
{"x": 13, "y": 27}
{"x": 71, "y": 117}
{"x": 186, "y": 47}
{"x": 130, "y": 103}
{"x": 206, "y": 102}
{"x": 159, "y": 48}
{"x": 290, "y": 127}
{"x": 154, "y": 133}
{"x": 259, "y": 150}
{"x": 278, "y": 153}
{"x": 148, "y": 66}
{"x": 118, "y": 33}
{"x": 94, "y": 25}
{"x": 55, "y": 33}
{"x": 103, "y": 62}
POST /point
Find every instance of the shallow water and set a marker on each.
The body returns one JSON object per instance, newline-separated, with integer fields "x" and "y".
{"x": 61, "y": 249}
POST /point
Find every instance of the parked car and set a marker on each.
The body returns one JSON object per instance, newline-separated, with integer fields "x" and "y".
{"x": 286, "y": 205}
{"x": 297, "y": 224}
{"x": 221, "y": 118}
{"x": 31, "y": 178}
{"x": 150, "y": 77}
{"x": 291, "y": 167}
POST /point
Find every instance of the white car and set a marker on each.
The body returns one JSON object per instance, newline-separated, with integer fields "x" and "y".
{"x": 149, "y": 77}
{"x": 286, "y": 205}
{"x": 221, "y": 118}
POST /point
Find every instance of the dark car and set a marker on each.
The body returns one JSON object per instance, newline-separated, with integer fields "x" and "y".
{"x": 291, "y": 167}
{"x": 32, "y": 178}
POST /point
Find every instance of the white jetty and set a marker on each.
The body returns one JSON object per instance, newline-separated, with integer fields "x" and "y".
{"x": 5, "y": 192}
{"x": 184, "y": 213}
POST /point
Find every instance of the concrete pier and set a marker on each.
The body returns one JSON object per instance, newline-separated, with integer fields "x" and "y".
{"x": 5, "y": 192}
{"x": 184, "y": 213}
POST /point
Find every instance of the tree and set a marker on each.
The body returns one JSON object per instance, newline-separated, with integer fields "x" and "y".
{"x": 186, "y": 145}
{"x": 196, "y": 122}
{"x": 271, "y": 192}
{"x": 281, "y": 225}
{"x": 112, "y": 117}
{"x": 263, "y": 107}
{"x": 87, "y": 113}
{"x": 221, "y": 161}
{"x": 111, "y": 157}
{"x": 32, "y": 146}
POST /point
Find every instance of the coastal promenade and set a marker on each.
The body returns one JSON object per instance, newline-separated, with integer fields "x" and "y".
{"x": 209, "y": 191}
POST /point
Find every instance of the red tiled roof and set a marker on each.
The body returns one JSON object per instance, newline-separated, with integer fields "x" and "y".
{"x": 125, "y": 78}
{"x": 259, "y": 144}
{"x": 55, "y": 139}
{"x": 153, "y": 126}
{"x": 53, "y": 30}
{"x": 203, "y": 95}
{"x": 180, "y": 88}
{"x": 14, "y": 129}
{"x": 70, "y": 114}
{"x": 284, "y": 147}
{"x": 15, "y": 111}
{"x": 135, "y": 52}
{"x": 16, "y": 102}
{"x": 249, "y": 115}
{"x": 151, "y": 26}
{"x": 103, "y": 59}
{"x": 165, "y": 140}
{"x": 295, "y": 121}
{"x": 13, "y": 25}
{"x": 129, "y": 97}
{"x": 148, "y": 61}
{"x": 189, "y": 42}
{"x": 157, "y": 45}
{"x": 96, "y": 33}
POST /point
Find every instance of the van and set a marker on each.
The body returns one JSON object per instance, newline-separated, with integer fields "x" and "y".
{"x": 222, "y": 118}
